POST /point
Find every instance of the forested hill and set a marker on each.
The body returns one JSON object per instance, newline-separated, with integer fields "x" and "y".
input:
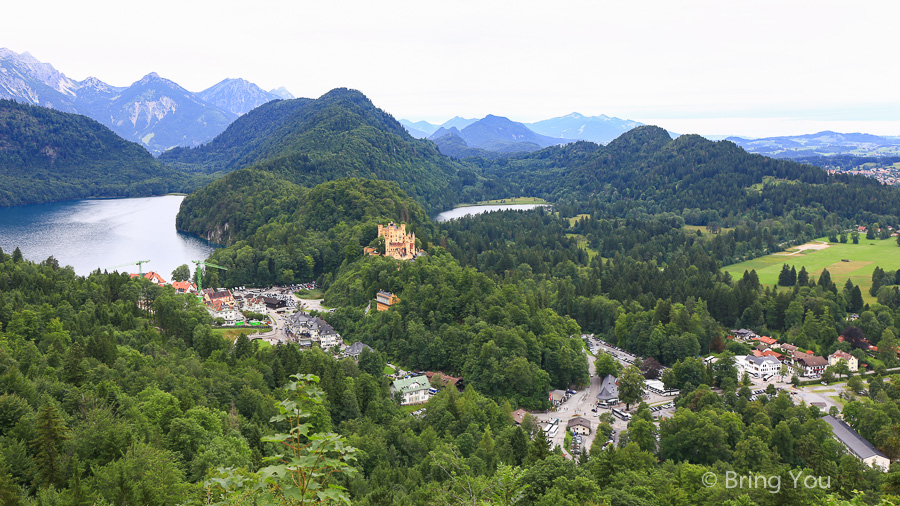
{"x": 690, "y": 172}
{"x": 47, "y": 155}
{"x": 278, "y": 232}
{"x": 341, "y": 134}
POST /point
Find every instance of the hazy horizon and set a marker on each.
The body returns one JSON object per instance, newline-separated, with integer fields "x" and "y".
{"x": 698, "y": 66}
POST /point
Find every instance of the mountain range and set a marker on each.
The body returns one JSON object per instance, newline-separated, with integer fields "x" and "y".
{"x": 156, "y": 112}
{"x": 825, "y": 143}
{"x": 599, "y": 129}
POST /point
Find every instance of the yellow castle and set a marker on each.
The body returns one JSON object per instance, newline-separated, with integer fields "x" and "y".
{"x": 397, "y": 243}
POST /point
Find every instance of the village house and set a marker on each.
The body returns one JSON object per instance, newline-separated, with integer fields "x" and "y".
{"x": 744, "y": 334}
{"x": 354, "y": 350}
{"x": 254, "y": 305}
{"x": 413, "y": 390}
{"x": 519, "y": 416}
{"x": 446, "y": 379}
{"x": 184, "y": 287}
{"x": 579, "y": 425}
{"x": 221, "y": 310}
{"x": 154, "y": 277}
{"x": 808, "y": 364}
{"x": 758, "y": 366}
{"x": 308, "y": 330}
{"x": 384, "y": 300}
{"x": 211, "y": 296}
{"x": 768, "y": 341}
{"x": 609, "y": 390}
{"x": 857, "y": 445}
{"x": 852, "y": 362}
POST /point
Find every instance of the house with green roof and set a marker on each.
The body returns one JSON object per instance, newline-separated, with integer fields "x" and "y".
{"x": 413, "y": 390}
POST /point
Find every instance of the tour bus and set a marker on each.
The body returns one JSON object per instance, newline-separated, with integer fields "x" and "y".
{"x": 620, "y": 414}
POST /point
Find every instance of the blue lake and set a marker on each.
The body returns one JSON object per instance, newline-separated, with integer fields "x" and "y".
{"x": 91, "y": 234}
{"x": 459, "y": 212}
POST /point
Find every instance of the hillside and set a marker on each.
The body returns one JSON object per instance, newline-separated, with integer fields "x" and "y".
{"x": 341, "y": 134}
{"x": 278, "y": 232}
{"x": 47, "y": 155}
{"x": 825, "y": 143}
{"x": 647, "y": 165}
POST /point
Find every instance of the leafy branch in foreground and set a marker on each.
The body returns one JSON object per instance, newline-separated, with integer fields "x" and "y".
{"x": 307, "y": 472}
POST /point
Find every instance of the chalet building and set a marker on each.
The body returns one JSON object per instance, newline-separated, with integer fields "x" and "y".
{"x": 304, "y": 329}
{"x": 519, "y": 416}
{"x": 789, "y": 349}
{"x": 579, "y": 425}
{"x": 397, "y": 243}
{"x": 221, "y": 310}
{"x": 857, "y": 445}
{"x": 184, "y": 287}
{"x": 413, "y": 390}
{"x": 445, "y": 378}
{"x": 384, "y": 300}
{"x": 273, "y": 303}
{"x": 154, "y": 277}
{"x": 355, "y": 349}
{"x": 609, "y": 390}
{"x": 211, "y": 296}
{"x": 852, "y": 362}
{"x": 808, "y": 364}
{"x": 254, "y": 304}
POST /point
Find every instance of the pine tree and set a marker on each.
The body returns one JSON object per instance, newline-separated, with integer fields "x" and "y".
{"x": 792, "y": 279}
{"x": 856, "y": 300}
{"x": 73, "y": 370}
{"x": 784, "y": 276}
{"x": 803, "y": 277}
{"x": 51, "y": 434}
{"x": 10, "y": 494}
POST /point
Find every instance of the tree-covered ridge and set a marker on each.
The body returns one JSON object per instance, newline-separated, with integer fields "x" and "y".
{"x": 47, "y": 155}
{"x": 690, "y": 172}
{"x": 278, "y": 232}
{"x": 459, "y": 321}
{"x": 341, "y": 134}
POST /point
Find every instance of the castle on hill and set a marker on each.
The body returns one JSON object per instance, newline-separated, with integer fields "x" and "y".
{"x": 397, "y": 243}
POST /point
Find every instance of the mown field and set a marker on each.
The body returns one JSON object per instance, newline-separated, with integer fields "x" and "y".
{"x": 863, "y": 258}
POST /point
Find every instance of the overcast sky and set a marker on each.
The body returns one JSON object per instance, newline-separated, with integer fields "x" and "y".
{"x": 722, "y": 67}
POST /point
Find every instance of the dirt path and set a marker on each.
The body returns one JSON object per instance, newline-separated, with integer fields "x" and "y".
{"x": 803, "y": 247}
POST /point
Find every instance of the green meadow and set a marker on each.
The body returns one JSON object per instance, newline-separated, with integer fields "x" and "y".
{"x": 861, "y": 259}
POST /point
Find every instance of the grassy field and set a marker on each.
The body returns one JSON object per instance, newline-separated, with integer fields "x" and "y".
{"x": 702, "y": 229}
{"x": 316, "y": 293}
{"x": 516, "y": 200}
{"x": 232, "y": 334}
{"x": 583, "y": 244}
{"x": 862, "y": 260}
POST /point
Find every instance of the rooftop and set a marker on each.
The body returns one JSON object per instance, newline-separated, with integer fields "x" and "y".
{"x": 845, "y": 434}
{"x": 411, "y": 384}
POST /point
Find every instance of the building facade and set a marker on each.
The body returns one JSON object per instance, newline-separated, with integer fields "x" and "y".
{"x": 397, "y": 243}
{"x": 412, "y": 390}
{"x": 852, "y": 362}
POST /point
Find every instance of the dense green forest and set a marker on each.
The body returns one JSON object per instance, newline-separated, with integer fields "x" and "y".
{"x": 47, "y": 155}
{"x": 104, "y": 403}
